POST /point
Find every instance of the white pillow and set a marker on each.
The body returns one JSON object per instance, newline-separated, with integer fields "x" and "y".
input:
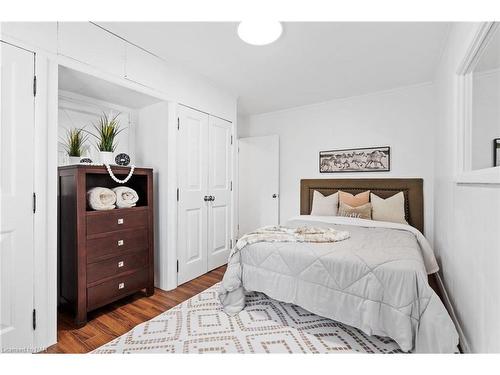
{"x": 391, "y": 209}
{"x": 325, "y": 206}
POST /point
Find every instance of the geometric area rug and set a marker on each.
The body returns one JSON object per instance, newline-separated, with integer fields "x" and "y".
{"x": 199, "y": 325}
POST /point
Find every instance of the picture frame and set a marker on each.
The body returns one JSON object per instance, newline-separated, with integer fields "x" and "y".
{"x": 496, "y": 152}
{"x": 363, "y": 159}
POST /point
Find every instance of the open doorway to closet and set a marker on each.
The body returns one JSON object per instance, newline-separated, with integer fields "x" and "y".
{"x": 105, "y": 255}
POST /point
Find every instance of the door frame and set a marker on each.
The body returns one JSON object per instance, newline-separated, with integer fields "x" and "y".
{"x": 238, "y": 233}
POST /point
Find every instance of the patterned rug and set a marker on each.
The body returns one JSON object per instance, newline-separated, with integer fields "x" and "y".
{"x": 199, "y": 325}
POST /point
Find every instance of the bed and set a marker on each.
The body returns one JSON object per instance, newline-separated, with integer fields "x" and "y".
{"x": 376, "y": 280}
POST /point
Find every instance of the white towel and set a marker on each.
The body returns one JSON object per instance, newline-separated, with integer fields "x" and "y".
{"x": 101, "y": 199}
{"x": 125, "y": 197}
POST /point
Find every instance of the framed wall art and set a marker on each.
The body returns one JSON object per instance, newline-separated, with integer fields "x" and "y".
{"x": 368, "y": 159}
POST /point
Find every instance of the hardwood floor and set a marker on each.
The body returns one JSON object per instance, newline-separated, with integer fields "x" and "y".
{"x": 109, "y": 322}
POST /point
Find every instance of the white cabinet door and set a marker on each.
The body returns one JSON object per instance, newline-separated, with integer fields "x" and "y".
{"x": 193, "y": 182}
{"x": 219, "y": 189}
{"x": 92, "y": 45}
{"x": 258, "y": 161}
{"x": 16, "y": 197}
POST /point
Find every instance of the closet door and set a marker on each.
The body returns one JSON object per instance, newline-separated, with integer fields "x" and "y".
{"x": 193, "y": 186}
{"x": 219, "y": 188}
{"x": 16, "y": 199}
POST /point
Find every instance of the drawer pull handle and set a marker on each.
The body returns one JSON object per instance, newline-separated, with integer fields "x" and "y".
{"x": 120, "y": 221}
{"x": 121, "y": 285}
{"x": 120, "y": 242}
{"x": 120, "y": 264}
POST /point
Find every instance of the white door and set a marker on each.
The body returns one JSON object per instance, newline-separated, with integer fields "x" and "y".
{"x": 219, "y": 190}
{"x": 16, "y": 199}
{"x": 193, "y": 186}
{"x": 258, "y": 172}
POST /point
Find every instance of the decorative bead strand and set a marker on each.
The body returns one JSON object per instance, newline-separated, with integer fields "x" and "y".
{"x": 112, "y": 175}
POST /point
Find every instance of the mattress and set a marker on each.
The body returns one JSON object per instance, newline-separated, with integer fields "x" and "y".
{"x": 375, "y": 281}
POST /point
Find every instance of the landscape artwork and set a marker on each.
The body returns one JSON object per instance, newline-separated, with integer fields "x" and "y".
{"x": 372, "y": 159}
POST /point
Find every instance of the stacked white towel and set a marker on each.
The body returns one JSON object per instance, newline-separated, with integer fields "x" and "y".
{"x": 101, "y": 199}
{"x": 125, "y": 197}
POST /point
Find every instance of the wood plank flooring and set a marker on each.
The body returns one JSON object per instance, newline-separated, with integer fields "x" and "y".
{"x": 109, "y": 322}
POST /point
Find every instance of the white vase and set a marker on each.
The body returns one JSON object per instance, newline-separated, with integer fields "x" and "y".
{"x": 106, "y": 157}
{"x": 74, "y": 160}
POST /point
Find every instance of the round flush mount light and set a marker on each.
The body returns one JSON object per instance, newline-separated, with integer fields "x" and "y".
{"x": 259, "y": 33}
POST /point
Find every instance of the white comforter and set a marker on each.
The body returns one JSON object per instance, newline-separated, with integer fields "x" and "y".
{"x": 376, "y": 281}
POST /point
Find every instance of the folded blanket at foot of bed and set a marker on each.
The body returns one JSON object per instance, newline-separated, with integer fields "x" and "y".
{"x": 101, "y": 199}
{"x": 125, "y": 197}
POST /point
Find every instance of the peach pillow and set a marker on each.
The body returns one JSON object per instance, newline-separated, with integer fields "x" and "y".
{"x": 354, "y": 200}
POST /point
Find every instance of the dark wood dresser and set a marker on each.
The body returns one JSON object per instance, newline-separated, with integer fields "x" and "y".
{"x": 103, "y": 255}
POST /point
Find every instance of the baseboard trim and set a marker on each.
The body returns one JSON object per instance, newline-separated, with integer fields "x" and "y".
{"x": 463, "y": 342}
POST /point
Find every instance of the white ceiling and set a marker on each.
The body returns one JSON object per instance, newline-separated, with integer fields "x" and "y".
{"x": 311, "y": 62}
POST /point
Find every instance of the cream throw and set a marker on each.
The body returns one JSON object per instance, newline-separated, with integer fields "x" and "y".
{"x": 125, "y": 197}
{"x": 101, "y": 199}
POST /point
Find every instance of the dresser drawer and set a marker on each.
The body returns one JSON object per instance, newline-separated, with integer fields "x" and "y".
{"x": 116, "y": 243}
{"x": 116, "y": 288}
{"x": 117, "y": 265}
{"x": 108, "y": 221}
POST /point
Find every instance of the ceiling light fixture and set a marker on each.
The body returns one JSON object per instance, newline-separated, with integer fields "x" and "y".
{"x": 259, "y": 33}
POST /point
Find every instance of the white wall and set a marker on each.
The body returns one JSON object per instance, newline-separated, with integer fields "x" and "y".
{"x": 485, "y": 117}
{"x": 402, "y": 119}
{"x": 77, "y": 111}
{"x": 467, "y": 217}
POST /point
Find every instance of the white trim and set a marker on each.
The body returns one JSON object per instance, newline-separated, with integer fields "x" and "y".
{"x": 465, "y": 174}
{"x": 483, "y": 35}
{"x": 45, "y": 278}
{"x": 463, "y": 341}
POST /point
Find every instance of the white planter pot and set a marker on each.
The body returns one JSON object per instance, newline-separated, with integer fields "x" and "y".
{"x": 106, "y": 157}
{"x": 74, "y": 160}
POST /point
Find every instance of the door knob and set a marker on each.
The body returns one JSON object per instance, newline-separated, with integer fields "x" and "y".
{"x": 212, "y": 198}
{"x": 275, "y": 195}
{"x": 206, "y": 198}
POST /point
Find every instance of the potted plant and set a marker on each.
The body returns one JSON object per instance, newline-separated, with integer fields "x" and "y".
{"x": 106, "y": 130}
{"x": 73, "y": 144}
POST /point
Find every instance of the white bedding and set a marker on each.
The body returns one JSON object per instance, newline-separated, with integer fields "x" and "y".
{"x": 376, "y": 281}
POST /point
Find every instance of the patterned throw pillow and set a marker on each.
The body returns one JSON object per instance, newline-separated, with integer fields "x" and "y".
{"x": 354, "y": 200}
{"x": 360, "y": 212}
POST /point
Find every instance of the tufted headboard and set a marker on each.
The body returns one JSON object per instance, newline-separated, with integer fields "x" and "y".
{"x": 412, "y": 189}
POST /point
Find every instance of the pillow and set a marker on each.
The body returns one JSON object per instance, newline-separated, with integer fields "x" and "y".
{"x": 360, "y": 212}
{"x": 354, "y": 200}
{"x": 325, "y": 206}
{"x": 391, "y": 209}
